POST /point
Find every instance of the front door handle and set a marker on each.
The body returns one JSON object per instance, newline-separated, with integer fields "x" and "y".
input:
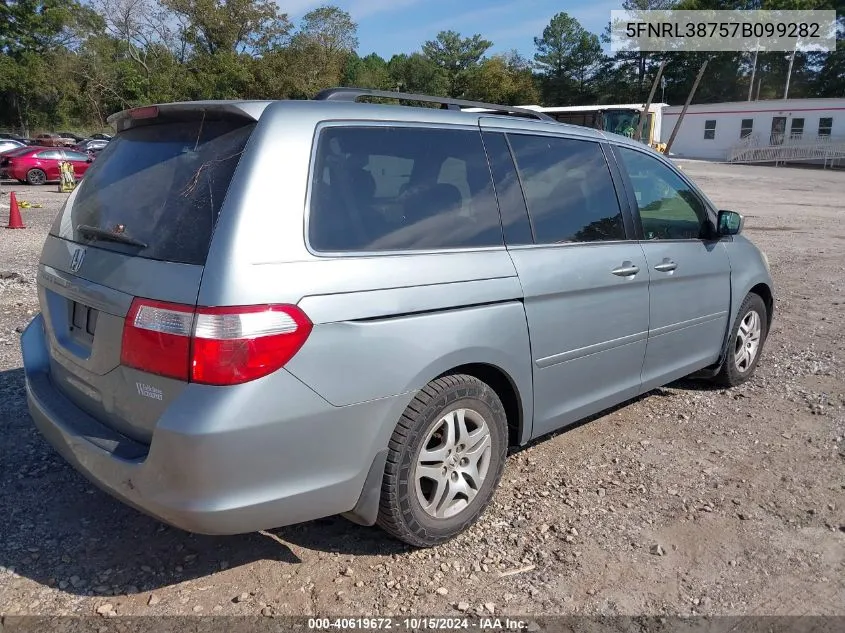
{"x": 627, "y": 269}
{"x": 666, "y": 266}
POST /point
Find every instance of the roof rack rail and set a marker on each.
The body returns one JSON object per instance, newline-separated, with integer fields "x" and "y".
{"x": 353, "y": 94}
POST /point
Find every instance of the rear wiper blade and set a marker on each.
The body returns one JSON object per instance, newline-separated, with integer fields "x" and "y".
{"x": 103, "y": 234}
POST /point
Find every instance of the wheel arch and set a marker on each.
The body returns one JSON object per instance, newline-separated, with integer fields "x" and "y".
{"x": 764, "y": 291}
{"x": 505, "y": 387}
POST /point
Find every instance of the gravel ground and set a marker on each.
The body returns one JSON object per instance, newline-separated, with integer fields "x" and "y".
{"x": 688, "y": 500}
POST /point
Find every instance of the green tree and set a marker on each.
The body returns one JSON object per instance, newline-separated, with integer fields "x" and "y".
{"x": 237, "y": 26}
{"x": 567, "y": 57}
{"x": 34, "y": 37}
{"x": 418, "y": 74}
{"x": 505, "y": 79}
{"x": 367, "y": 72}
{"x": 326, "y": 39}
{"x": 456, "y": 56}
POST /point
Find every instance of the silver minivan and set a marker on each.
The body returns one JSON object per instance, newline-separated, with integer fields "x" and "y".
{"x": 261, "y": 313}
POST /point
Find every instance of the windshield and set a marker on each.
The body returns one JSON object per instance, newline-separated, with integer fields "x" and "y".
{"x": 162, "y": 185}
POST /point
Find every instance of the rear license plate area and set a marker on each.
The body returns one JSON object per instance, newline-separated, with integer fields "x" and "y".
{"x": 83, "y": 320}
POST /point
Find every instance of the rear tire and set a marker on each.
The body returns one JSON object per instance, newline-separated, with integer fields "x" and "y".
{"x": 445, "y": 459}
{"x": 36, "y": 177}
{"x": 745, "y": 343}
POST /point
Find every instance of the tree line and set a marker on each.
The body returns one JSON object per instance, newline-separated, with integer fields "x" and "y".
{"x": 70, "y": 64}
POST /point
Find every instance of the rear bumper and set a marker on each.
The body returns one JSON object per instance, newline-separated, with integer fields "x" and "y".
{"x": 222, "y": 460}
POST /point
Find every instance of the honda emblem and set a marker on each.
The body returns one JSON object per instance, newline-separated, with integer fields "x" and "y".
{"x": 76, "y": 260}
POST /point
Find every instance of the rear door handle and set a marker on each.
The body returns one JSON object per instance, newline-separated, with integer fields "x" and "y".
{"x": 666, "y": 266}
{"x": 627, "y": 269}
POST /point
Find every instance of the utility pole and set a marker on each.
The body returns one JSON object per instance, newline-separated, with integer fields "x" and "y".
{"x": 644, "y": 114}
{"x": 789, "y": 72}
{"x": 753, "y": 70}
{"x": 686, "y": 105}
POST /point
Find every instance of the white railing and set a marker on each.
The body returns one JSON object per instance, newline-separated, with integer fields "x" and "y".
{"x": 785, "y": 148}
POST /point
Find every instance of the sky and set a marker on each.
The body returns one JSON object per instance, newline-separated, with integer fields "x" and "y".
{"x": 401, "y": 26}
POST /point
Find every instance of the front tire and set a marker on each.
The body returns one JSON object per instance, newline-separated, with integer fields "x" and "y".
{"x": 445, "y": 459}
{"x": 746, "y": 342}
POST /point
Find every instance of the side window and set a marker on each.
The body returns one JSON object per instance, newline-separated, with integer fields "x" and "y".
{"x": 669, "y": 208}
{"x": 401, "y": 188}
{"x": 746, "y": 128}
{"x": 710, "y": 130}
{"x": 796, "y": 129}
{"x": 515, "y": 223}
{"x": 568, "y": 189}
{"x": 49, "y": 155}
{"x": 75, "y": 156}
{"x": 825, "y": 126}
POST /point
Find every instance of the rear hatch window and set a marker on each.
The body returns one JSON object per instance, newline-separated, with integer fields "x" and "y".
{"x": 156, "y": 190}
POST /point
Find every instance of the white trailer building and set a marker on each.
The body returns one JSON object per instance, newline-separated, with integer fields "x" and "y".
{"x": 750, "y": 131}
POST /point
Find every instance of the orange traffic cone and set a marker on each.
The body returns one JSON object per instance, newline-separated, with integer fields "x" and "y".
{"x": 15, "y": 220}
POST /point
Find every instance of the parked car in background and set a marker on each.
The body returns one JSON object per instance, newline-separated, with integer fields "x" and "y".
{"x": 38, "y": 165}
{"x": 101, "y": 137}
{"x": 49, "y": 140}
{"x": 91, "y": 144}
{"x": 73, "y": 138}
{"x": 10, "y": 136}
{"x": 8, "y": 144}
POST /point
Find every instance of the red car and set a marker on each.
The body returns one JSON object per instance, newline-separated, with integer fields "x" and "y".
{"x": 37, "y": 165}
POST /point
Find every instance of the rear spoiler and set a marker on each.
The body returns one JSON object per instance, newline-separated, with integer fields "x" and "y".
{"x": 127, "y": 119}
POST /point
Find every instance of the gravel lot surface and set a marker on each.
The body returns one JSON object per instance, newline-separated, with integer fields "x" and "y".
{"x": 688, "y": 500}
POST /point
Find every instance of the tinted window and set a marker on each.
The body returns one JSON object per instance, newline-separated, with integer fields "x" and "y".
{"x": 710, "y": 129}
{"x": 746, "y": 128}
{"x": 797, "y": 127}
{"x": 568, "y": 189}
{"x": 49, "y": 155}
{"x": 399, "y": 188}
{"x": 669, "y": 209}
{"x": 515, "y": 222}
{"x": 165, "y": 183}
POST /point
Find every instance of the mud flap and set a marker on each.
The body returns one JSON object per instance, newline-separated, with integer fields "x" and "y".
{"x": 365, "y": 511}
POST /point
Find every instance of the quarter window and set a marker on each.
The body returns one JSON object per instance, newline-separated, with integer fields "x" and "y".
{"x": 568, "y": 190}
{"x": 710, "y": 129}
{"x": 668, "y": 207}
{"x": 825, "y": 126}
{"x": 746, "y": 128}
{"x": 401, "y": 188}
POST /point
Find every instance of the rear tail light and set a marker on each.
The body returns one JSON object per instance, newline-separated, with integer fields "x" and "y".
{"x": 215, "y": 346}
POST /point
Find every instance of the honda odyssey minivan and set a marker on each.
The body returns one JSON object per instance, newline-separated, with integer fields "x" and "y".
{"x": 260, "y": 313}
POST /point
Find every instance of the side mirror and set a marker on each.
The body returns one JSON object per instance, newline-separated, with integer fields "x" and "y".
{"x": 730, "y": 223}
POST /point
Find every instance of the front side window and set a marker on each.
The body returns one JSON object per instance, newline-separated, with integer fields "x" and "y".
{"x": 401, "y": 188}
{"x": 49, "y": 155}
{"x": 710, "y": 129}
{"x": 568, "y": 189}
{"x": 669, "y": 208}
